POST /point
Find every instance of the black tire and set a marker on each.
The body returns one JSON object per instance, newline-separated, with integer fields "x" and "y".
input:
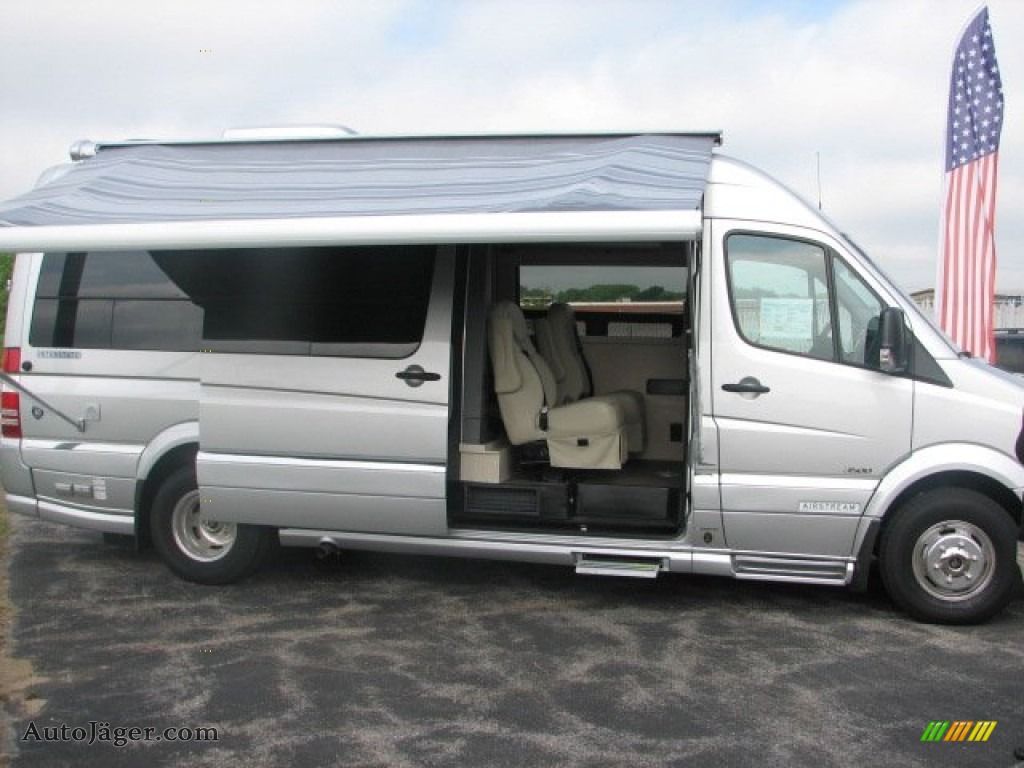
{"x": 949, "y": 556}
{"x": 202, "y": 551}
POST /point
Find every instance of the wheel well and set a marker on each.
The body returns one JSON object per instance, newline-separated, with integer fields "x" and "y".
{"x": 180, "y": 456}
{"x": 982, "y": 484}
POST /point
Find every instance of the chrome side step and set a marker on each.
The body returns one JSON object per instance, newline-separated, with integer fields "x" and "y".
{"x": 793, "y": 569}
{"x": 608, "y": 565}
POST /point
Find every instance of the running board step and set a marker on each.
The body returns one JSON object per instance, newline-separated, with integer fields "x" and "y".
{"x": 639, "y": 568}
{"x": 793, "y": 569}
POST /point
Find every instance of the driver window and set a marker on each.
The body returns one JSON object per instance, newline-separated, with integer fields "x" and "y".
{"x": 779, "y": 294}
{"x": 859, "y": 316}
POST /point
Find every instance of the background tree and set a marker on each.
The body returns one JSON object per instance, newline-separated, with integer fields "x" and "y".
{"x": 6, "y": 266}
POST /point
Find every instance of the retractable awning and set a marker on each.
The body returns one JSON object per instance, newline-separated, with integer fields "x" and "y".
{"x": 367, "y": 190}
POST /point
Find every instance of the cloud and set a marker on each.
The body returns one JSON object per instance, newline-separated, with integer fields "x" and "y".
{"x": 860, "y": 83}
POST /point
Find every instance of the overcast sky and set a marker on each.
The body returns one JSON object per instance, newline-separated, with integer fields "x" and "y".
{"x": 862, "y": 82}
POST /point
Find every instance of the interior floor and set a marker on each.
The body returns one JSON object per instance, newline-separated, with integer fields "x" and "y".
{"x": 643, "y": 498}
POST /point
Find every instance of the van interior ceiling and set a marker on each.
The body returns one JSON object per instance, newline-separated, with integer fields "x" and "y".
{"x": 606, "y": 432}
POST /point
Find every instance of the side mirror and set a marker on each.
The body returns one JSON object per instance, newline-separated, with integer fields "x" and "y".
{"x": 894, "y": 351}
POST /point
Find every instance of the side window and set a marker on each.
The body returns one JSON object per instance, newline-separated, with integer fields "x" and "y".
{"x": 361, "y": 301}
{"x": 779, "y": 294}
{"x": 796, "y": 297}
{"x": 111, "y": 300}
{"x": 610, "y": 300}
{"x": 65, "y": 323}
{"x": 860, "y": 312}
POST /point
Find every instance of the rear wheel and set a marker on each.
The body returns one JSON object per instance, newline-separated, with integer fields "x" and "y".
{"x": 949, "y": 556}
{"x": 204, "y": 551}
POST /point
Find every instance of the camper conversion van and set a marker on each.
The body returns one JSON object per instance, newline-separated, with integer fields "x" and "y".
{"x": 624, "y": 353}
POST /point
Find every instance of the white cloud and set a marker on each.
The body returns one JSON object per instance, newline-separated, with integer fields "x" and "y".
{"x": 863, "y": 84}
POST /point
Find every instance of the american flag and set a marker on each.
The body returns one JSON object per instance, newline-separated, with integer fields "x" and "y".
{"x": 967, "y": 271}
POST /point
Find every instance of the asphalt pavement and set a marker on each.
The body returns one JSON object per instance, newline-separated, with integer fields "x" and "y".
{"x": 386, "y": 660}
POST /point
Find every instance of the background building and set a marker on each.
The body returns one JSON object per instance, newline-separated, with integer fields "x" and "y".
{"x": 1009, "y": 307}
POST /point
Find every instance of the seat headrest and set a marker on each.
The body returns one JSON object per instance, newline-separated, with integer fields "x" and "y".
{"x": 508, "y": 336}
{"x": 508, "y": 315}
{"x": 562, "y": 313}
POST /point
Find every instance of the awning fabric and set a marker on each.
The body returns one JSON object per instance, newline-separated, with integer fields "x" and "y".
{"x": 366, "y": 177}
{"x": 361, "y": 190}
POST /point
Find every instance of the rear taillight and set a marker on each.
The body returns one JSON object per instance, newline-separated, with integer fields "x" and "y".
{"x": 10, "y": 413}
{"x": 12, "y": 360}
{"x": 10, "y": 402}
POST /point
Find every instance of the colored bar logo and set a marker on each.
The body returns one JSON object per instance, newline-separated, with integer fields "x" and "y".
{"x": 958, "y": 730}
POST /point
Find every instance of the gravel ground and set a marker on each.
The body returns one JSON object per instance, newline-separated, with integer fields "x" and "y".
{"x": 384, "y": 660}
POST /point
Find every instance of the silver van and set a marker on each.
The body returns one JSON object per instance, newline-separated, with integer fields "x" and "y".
{"x": 622, "y": 353}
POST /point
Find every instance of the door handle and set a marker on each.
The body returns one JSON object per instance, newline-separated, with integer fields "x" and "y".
{"x": 414, "y": 375}
{"x": 748, "y": 385}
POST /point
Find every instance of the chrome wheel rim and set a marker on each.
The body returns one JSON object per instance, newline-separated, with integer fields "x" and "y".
{"x": 954, "y": 560}
{"x": 202, "y": 540}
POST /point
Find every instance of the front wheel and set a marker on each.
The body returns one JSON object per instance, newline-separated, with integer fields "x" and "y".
{"x": 949, "y": 556}
{"x": 199, "y": 550}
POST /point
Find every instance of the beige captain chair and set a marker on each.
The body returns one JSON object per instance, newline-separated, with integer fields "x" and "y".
{"x": 559, "y": 345}
{"x": 588, "y": 434}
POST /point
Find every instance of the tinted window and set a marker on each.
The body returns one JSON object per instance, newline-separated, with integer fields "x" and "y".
{"x": 364, "y": 301}
{"x": 119, "y": 300}
{"x": 105, "y": 275}
{"x": 71, "y": 323}
{"x": 52, "y": 272}
{"x": 168, "y": 325}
